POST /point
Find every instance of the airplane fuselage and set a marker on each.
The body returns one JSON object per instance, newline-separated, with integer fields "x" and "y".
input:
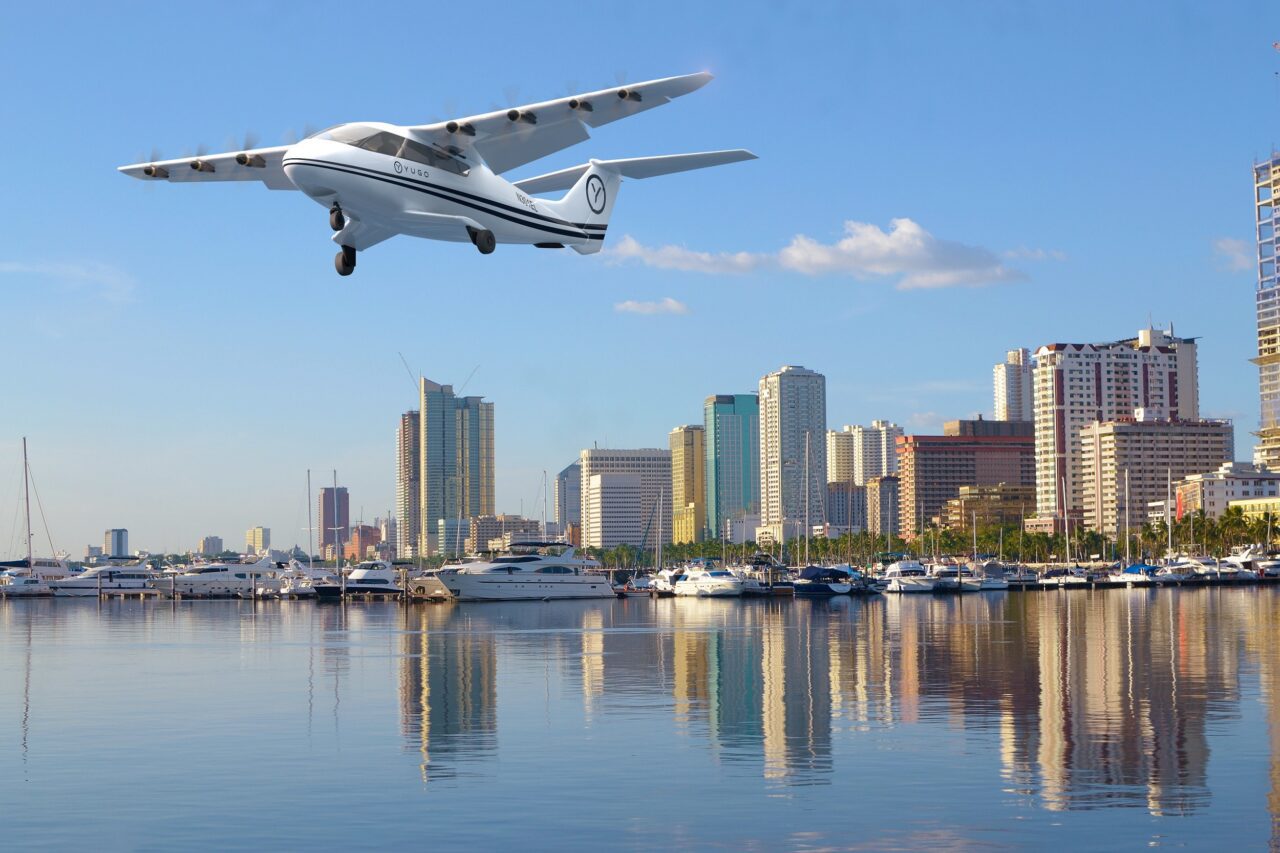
{"x": 420, "y": 199}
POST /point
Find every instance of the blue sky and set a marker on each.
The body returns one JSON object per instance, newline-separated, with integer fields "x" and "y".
{"x": 179, "y": 356}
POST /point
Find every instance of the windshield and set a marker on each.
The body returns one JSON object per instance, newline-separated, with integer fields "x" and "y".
{"x": 394, "y": 145}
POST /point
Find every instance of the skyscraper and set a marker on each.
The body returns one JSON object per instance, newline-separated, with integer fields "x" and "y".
{"x": 732, "y": 436}
{"x": 115, "y": 542}
{"x": 855, "y": 454}
{"x": 334, "y": 512}
{"x": 688, "y": 495}
{"x": 456, "y": 478}
{"x": 620, "y": 491}
{"x": 793, "y": 415}
{"x": 1013, "y": 388}
{"x": 257, "y": 540}
{"x": 1266, "y": 187}
{"x": 408, "y": 486}
{"x": 569, "y": 496}
{"x": 1152, "y": 376}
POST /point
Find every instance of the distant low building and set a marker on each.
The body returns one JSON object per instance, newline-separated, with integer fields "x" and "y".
{"x": 363, "y": 543}
{"x": 210, "y": 546}
{"x": 883, "y": 510}
{"x": 485, "y": 530}
{"x": 257, "y": 540}
{"x": 1003, "y": 503}
{"x": 1214, "y": 491}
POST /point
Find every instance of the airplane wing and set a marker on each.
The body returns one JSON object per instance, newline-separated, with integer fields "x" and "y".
{"x": 510, "y": 138}
{"x": 634, "y": 167}
{"x": 251, "y": 164}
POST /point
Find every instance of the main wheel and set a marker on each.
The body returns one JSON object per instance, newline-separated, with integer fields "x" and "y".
{"x": 345, "y": 261}
{"x": 336, "y": 220}
{"x": 486, "y": 242}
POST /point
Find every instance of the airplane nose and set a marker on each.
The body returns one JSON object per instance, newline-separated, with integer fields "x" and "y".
{"x": 305, "y": 175}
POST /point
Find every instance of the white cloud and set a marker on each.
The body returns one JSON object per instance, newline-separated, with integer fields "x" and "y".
{"x": 1233, "y": 253}
{"x": 925, "y": 423}
{"x": 106, "y": 281}
{"x": 662, "y": 306}
{"x": 687, "y": 260}
{"x": 1024, "y": 253}
{"x": 906, "y": 252}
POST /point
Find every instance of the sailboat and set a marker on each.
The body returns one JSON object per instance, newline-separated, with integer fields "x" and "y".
{"x": 30, "y": 576}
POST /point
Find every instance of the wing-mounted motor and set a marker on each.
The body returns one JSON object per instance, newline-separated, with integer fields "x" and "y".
{"x": 250, "y": 164}
{"x": 506, "y": 139}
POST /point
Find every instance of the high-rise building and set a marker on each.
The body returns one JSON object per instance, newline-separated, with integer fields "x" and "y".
{"x": 1266, "y": 188}
{"x": 389, "y": 528}
{"x": 257, "y": 540}
{"x": 408, "y": 485}
{"x": 1078, "y": 384}
{"x": 569, "y": 496}
{"x": 688, "y": 495}
{"x": 456, "y": 471}
{"x": 855, "y": 454}
{"x": 209, "y": 546}
{"x": 932, "y": 468}
{"x": 333, "y": 517}
{"x": 115, "y": 542}
{"x": 732, "y": 437}
{"x": 620, "y": 492}
{"x": 1013, "y": 388}
{"x": 1146, "y": 454}
{"x": 882, "y": 505}
{"x": 847, "y": 506}
{"x": 793, "y": 415}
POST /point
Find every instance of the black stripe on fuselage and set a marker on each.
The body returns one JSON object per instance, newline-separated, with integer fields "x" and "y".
{"x": 476, "y": 202}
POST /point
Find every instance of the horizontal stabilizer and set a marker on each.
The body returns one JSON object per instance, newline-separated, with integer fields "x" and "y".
{"x": 634, "y": 167}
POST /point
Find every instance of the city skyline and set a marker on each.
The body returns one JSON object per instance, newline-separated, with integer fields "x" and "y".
{"x": 179, "y": 272}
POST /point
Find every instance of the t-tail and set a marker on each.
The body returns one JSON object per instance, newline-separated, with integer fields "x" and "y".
{"x": 593, "y": 187}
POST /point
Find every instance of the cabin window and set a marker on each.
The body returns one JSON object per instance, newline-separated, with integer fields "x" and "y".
{"x": 395, "y": 145}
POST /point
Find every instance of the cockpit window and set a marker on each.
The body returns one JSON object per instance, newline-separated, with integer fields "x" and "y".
{"x": 394, "y": 145}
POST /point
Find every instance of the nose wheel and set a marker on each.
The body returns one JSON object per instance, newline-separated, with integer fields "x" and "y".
{"x": 336, "y": 220}
{"x": 345, "y": 261}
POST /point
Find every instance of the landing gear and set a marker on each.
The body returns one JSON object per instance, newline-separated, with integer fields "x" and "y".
{"x": 484, "y": 240}
{"x": 345, "y": 261}
{"x": 336, "y": 220}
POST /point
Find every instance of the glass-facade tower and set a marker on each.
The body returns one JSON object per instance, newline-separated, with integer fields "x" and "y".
{"x": 732, "y": 424}
{"x": 1266, "y": 186}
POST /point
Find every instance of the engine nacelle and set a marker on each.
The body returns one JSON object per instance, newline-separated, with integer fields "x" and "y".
{"x": 526, "y": 116}
{"x": 244, "y": 158}
{"x": 454, "y": 127}
{"x": 628, "y": 95}
{"x": 202, "y": 166}
{"x": 584, "y": 106}
{"x": 154, "y": 171}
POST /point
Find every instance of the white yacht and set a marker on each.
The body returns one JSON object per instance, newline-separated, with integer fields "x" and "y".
{"x": 215, "y": 580}
{"x": 105, "y": 578}
{"x": 373, "y": 577}
{"x": 1065, "y": 577}
{"x": 14, "y": 585}
{"x": 953, "y": 578}
{"x": 45, "y": 568}
{"x": 907, "y": 576}
{"x": 530, "y": 571}
{"x": 705, "y": 582}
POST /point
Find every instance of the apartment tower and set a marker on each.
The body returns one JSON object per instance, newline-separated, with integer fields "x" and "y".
{"x": 732, "y": 437}
{"x": 456, "y": 467}
{"x": 1013, "y": 387}
{"x": 688, "y": 495}
{"x": 793, "y": 415}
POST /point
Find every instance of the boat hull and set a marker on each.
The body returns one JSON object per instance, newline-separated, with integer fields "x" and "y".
{"x": 490, "y": 588}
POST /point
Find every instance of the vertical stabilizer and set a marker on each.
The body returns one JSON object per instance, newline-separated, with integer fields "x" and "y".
{"x": 589, "y": 204}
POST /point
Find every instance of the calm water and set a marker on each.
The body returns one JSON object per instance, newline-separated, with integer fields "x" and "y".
{"x": 1099, "y": 720}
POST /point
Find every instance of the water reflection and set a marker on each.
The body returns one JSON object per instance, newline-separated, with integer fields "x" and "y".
{"x": 1091, "y": 699}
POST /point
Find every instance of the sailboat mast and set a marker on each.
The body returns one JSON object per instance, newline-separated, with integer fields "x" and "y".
{"x": 26, "y": 487}
{"x": 806, "y": 497}
{"x": 311, "y": 530}
{"x": 1127, "y": 562}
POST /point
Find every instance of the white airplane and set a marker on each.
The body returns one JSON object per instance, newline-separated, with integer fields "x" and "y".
{"x": 442, "y": 181}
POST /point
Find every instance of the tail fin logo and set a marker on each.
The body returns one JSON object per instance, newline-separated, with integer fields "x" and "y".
{"x": 595, "y": 194}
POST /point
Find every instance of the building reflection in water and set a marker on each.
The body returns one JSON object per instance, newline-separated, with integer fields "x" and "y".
{"x": 448, "y": 689}
{"x": 1093, "y": 699}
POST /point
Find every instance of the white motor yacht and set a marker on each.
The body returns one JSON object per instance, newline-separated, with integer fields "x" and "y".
{"x": 105, "y": 578}
{"x": 907, "y": 576}
{"x": 530, "y": 571}
{"x": 1065, "y": 577}
{"x": 45, "y": 568}
{"x": 705, "y": 582}
{"x": 215, "y": 580}
{"x": 952, "y": 578}
{"x": 14, "y": 585}
{"x": 372, "y": 577}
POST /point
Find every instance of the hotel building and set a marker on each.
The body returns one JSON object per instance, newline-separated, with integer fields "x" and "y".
{"x": 855, "y": 454}
{"x": 1013, "y": 387}
{"x": 1148, "y": 453}
{"x": 408, "y": 485}
{"x": 793, "y": 414}
{"x": 457, "y": 465}
{"x": 1079, "y": 384}
{"x": 620, "y": 493}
